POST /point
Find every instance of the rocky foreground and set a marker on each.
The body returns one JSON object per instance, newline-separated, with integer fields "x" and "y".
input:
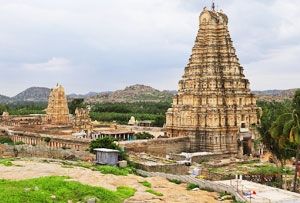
{"x": 33, "y": 168}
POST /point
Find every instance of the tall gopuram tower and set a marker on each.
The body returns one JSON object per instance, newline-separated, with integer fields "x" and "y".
{"x": 214, "y": 105}
{"x": 57, "y": 110}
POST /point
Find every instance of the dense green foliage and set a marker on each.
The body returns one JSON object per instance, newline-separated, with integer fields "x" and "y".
{"x": 107, "y": 112}
{"x": 24, "y": 108}
{"x": 286, "y": 130}
{"x": 122, "y": 112}
{"x": 143, "y": 136}
{"x": 58, "y": 189}
{"x": 106, "y": 142}
{"x": 137, "y": 107}
{"x": 271, "y": 111}
{"x": 269, "y": 169}
{"x": 5, "y": 139}
{"x": 191, "y": 186}
{"x": 2, "y": 108}
{"x": 76, "y": 103}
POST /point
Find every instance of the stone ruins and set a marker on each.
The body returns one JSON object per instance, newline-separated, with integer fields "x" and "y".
{"x": 57, "y": 111}
{"x": 214, "y": 105}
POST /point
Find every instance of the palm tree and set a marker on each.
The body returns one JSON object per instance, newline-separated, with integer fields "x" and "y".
{"x": 286, "y": 131}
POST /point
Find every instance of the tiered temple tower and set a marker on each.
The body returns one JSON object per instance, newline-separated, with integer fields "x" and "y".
{"x": 57, "y": 111}
{"x": 83, "y": 121}
{"x": 214, "y": 105}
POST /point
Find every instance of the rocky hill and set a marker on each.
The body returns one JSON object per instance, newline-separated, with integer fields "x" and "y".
{"x": 134, "y": 93}
{"x": 82, "y": 96}
{"x": 33, "y": 94}
{"x": 4, "y": 99}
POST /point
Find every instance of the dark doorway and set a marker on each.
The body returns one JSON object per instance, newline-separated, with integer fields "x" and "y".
{"x": 246, "y": 147}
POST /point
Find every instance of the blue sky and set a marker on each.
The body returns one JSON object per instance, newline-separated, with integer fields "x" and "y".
{"x": 100, "y": 45}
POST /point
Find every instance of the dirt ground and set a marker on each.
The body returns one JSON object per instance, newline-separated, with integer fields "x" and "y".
{"x": 25, "y": 169}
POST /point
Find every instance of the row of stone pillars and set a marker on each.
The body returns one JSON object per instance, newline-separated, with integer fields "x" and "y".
{"x": 41, "y": 141}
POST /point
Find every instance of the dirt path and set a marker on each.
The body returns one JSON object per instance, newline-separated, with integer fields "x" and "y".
{"x": 25, "y": 169}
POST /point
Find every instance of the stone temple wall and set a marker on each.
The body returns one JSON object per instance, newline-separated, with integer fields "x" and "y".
{"x": 158, "y": 147}
{"x": 8, "y": 151}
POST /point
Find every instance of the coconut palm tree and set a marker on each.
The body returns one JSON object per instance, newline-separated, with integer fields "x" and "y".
{"x": 286, "y": 130}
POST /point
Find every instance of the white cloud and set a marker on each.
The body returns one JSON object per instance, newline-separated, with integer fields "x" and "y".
{"x": 54, "y": 64}
{"x": 134, "y": 41}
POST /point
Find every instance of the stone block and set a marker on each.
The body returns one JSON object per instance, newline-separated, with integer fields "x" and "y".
{"x": 122, "y": 164}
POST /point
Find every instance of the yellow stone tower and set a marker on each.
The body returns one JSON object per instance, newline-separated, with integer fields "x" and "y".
{"x": 57, "y": 110}
{"x": 214, "y": 105}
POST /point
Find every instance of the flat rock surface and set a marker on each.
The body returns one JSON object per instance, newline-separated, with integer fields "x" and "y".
{"x": 25, "y": 169}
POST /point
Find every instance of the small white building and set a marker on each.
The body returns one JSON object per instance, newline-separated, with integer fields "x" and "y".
{"x": 106, "y": 156}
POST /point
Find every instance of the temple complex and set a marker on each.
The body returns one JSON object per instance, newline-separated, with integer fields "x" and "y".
{"x": 57, "y": 110}
{"x": 214, "y": 105}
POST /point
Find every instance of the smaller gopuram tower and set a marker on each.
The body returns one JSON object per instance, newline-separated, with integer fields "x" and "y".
{"x": 83, "y": 121}
{"x": 57, "y": 112}
{"x": 214, "y": 105}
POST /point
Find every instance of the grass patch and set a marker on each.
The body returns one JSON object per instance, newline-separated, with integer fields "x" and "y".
{"x": 175, "y": 181}
{"x": 191, "y": 186}
{"x": 57, "y": 189}
{"x": 146, "y": 184}
{"x": 6, "y": 162}
{"x": 154, "y": 192}
{"x": 269, "y": 170}
{"x": 114, "y": 170}
{"x": 19, "y": 143}
{"x": 105, "y": 169}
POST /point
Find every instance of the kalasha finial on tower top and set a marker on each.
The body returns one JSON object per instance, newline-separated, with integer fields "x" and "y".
{"x": 213, "y": 6}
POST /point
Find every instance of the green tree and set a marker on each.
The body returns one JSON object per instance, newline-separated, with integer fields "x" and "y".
{"x": 143, "y": 136}
{"x": 286, "y": 129}
{"x": 76, "y": 103}
{"x": 2, "y": 109}
{"x": 271, "y": 111}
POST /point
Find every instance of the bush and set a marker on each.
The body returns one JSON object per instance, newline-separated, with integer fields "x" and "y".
{"x": 6, "y": 140}
{"x": 6, "y": 162}
{"x": 47, "y": 139}
{"x": 114, "y": 170}
{"x": 191, "y": 186}
{"x": 143, "y": 136}
{"x": 154, "y": 192}
{"x": 19, "y": 143}
{"x": 175, "y": 181}
{"x": 146, "y": 184}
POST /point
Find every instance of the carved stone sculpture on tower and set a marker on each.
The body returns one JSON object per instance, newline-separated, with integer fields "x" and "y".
{"x": 214, "y": 105}
{"x": 57, "y": 112}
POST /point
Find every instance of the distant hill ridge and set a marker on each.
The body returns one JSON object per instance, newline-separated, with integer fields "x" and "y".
{"x": 133, "y": 93}
{"x": 276, "y": 95}
{"x": 33, "y": 94}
